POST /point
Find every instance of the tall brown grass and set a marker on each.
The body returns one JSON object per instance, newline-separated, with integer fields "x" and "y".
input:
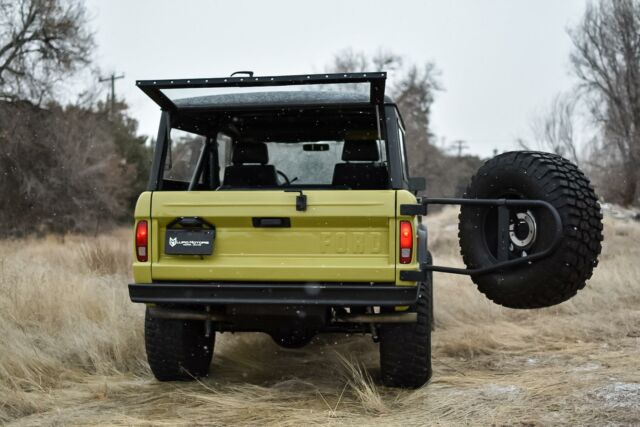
{"x": 71, "y": 351}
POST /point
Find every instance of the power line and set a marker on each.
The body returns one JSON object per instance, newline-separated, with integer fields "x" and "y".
{"x": 459, "y": 145}
{"x": 112, "y": 78}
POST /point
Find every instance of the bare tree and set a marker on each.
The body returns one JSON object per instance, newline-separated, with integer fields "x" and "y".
{"x": 554, "y": 128}
{"x": 606, "y": 58}
{"x": 413, "y": 88}
{"x": 62, "y": 170}
{"x": 349, "y": 60}
{"x": 41, "y": 42}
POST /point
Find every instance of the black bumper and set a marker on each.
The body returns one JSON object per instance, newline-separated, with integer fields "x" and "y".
{"x": 334, "y": 294}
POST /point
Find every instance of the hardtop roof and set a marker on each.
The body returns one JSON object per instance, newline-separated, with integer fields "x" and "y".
{"x": 279, "y": 98}
{"x": 158, "y": 89}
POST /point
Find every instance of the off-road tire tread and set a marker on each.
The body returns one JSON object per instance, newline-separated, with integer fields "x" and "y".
{"x": 571, "y": 193}
{"x": 405, "y": 349}
{"x": 177, "y": 350}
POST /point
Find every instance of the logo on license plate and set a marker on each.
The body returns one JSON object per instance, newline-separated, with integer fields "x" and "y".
{"x": 189, "y": 242}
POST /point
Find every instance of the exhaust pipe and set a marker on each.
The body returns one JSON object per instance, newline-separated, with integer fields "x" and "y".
{"x": 180, "y": 314}
{"x": 377, "y": 318}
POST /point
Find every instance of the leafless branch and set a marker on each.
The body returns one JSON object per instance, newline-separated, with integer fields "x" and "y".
{"x": 39, "y": 40}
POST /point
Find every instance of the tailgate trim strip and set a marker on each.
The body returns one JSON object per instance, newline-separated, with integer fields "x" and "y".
{"x": 334, "y": 294}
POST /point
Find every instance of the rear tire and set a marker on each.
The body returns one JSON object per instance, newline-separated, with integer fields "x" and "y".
{"x": 177, "y": 350}
{"x": 405, "y": 348}
{"x": 543, "y": 176}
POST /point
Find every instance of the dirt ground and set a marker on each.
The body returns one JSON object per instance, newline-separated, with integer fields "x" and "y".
{"x": 72, "y": 353}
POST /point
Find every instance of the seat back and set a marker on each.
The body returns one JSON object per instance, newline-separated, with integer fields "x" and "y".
{"x": 250, "y": 168}
{"x": 364, "y": 175}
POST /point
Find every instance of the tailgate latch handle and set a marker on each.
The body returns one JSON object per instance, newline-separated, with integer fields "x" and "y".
{"x": 301, "y": 199}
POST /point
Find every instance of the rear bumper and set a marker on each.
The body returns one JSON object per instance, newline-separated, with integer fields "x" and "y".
{"x": 334, "y": 294}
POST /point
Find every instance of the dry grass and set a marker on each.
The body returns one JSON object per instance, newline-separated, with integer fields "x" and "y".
{"x": 71, "y": 352}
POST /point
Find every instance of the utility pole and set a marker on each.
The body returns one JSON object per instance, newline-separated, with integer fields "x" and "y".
{"x": 459, "y": 145}
{"x": 112, "y": 78}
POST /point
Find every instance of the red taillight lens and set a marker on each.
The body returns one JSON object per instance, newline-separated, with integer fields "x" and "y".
{"x": 142, "y": 238}
{"x": 406, "y": 242}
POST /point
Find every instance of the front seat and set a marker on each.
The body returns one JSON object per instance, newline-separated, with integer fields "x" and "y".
{"x": 250, "y": 168}
{"x": 364, "y": 175}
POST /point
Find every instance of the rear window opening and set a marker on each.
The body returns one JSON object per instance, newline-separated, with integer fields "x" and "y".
{"x": 306, "y": 148}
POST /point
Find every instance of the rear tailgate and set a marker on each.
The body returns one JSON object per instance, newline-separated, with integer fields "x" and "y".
{"x": 343, "y": 236}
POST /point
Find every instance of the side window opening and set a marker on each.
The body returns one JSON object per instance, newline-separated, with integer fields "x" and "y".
{"x": 183, "y": 152}
{"x": 382, "y": 149}
{"x": 224, "y": 143}
{"x": 403, "y": 153}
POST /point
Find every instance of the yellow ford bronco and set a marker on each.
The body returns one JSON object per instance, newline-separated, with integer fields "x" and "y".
{"x": 284, "y": 205}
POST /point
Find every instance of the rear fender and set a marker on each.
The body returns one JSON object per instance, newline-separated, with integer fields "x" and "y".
{"x": 142, "y": 270}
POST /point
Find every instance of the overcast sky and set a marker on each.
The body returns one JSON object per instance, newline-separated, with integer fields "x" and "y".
{"x": 500, "y": 60}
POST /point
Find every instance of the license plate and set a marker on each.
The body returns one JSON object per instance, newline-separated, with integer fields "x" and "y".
{"x": 189, "y": 242}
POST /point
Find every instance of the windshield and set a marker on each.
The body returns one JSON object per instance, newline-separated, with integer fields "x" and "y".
{"x": 306, "y": 167}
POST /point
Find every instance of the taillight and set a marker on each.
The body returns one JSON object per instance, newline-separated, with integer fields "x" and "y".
{"x": 142, "y": 238}
{"x": 406, "y": 242}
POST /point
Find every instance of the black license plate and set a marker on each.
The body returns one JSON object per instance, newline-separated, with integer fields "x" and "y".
{"x": 189, "y": 242}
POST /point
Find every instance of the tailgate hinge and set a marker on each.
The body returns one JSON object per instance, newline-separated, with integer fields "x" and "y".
{"x": 413, "y": 209}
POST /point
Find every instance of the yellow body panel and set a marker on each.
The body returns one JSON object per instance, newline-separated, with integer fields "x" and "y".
{"x": 342, "y": 236}
{"x": 349, "y": 236}
{"x": 405, "y": 197}
{"x": 142, "y": 270}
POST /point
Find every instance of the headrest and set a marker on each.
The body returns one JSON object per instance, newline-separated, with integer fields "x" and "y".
{"x": 255, "y": 152}
{"x": 366, "y": 150}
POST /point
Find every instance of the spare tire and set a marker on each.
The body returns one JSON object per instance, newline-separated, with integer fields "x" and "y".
{"x": 542, "y": 176}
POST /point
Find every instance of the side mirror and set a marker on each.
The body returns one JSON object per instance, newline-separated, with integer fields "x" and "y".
{"x": 417, "y": 184}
